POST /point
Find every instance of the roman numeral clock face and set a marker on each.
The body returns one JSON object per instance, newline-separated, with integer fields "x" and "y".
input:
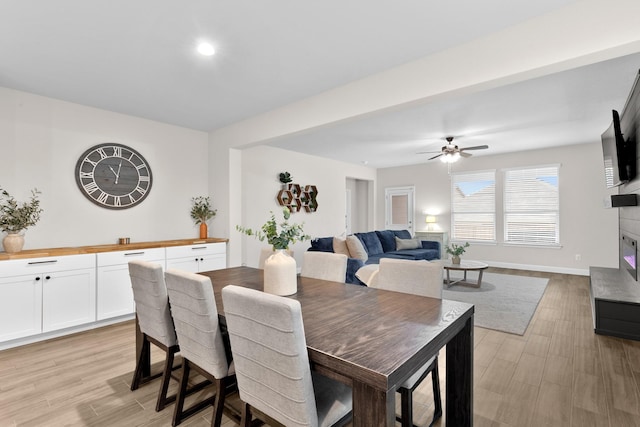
{"x": 113, "y": 176}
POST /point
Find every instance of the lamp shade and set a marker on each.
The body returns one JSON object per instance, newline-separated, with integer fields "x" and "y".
{"x": 430, "y": 219}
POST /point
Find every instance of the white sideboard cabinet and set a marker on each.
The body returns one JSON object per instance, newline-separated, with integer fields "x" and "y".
{"x": 115, "y": 296}
{"x": 46, "y": 294}
{"x": 197, "y": 258}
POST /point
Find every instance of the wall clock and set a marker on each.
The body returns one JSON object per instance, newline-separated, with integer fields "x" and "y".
{"x": 113, "y": 176}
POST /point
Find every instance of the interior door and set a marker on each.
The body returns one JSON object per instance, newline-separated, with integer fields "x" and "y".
{"x": 399, "y": 213}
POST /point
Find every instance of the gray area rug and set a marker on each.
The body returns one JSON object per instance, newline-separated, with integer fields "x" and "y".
{"x": 503, "y": 302}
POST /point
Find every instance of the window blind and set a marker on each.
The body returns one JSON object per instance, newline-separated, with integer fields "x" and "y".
{"x": 532, "y": 206}
{"x": 473, "y": 201}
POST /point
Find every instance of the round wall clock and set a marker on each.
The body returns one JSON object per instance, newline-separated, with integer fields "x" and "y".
{"x": 113, "y": 176}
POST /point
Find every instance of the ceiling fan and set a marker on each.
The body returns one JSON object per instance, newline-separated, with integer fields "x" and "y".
{"x": 451, "y": 153}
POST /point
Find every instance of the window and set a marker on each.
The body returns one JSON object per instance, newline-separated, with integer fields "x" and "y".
{"x": 532, "y": 206}
{"x": 473, "y": 206}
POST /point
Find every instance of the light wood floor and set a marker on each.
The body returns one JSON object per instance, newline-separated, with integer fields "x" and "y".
{"x": 558, "y": 374}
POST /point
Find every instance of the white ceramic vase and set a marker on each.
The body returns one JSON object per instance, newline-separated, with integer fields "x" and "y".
{"x": 280, "y": 274}
{"x": 13, "y": 242}
{"x": 455, "y": 259}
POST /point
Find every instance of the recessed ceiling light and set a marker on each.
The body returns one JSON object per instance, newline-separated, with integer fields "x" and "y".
{"x": 206, "y": 49}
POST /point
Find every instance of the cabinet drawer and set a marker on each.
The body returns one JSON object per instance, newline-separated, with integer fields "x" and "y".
{"x": 123, "y": 257}
{"x": 19, "y": 267}
{"x": 197, "y": 250}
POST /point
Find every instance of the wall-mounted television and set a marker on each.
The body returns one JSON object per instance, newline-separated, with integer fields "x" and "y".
{"x": 619, "y": 154}
{"x": 619, "y": 140}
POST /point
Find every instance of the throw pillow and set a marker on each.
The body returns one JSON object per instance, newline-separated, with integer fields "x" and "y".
{"x": 356, "y": 249}
{"x": 403, "y": 234}
{"x": 402, "y": 244}
{"x": 340, "y": 246}
{"x": 323, "y": 244}
{"x": 371, "y": 242}
{"x": 387, "y": 239}
{"x": 366, "y": 273}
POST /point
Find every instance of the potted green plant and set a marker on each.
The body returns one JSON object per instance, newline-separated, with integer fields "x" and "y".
{"x": 16, "y": 217}
{"x": 280, "y": 268}
{"x": 288, "y": 233}
{"x": 201, "y": 212}
{"x": 285, "y": 177}
{"x": 456, "y": 250}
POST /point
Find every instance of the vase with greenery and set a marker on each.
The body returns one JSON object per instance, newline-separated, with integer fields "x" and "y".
{"x": 280, "y": 268}
{"x": 201, "y": 212}
{"x": 456, "y": 250}
{"x": 16, "y": 217}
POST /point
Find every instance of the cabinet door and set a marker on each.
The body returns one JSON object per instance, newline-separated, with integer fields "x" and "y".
{"x": 197, "y": 258}
{"x": 68, "y": 299}
{"x": 114, "y": 294}
{"x": 189, "y": 264}
{"x": 212, "y": 262}
{"x": 20, "y": 306}
{"x": 115, "y": 297}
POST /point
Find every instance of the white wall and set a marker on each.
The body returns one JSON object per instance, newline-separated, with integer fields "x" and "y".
{"x": 586, "y": 227}
{"x": 40, "y": 141}
{"x": 260, "y": 186}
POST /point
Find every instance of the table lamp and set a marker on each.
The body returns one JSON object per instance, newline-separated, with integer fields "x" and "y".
{"x": 430, "y": 220}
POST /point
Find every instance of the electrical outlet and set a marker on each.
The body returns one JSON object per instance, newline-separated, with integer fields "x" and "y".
{"x": 578, "y": 257}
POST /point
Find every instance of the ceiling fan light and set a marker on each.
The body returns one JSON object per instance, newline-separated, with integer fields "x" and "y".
{"x": 450, "y": 157}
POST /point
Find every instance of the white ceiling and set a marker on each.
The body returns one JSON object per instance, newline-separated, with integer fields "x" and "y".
{"x": 137, "y": 57}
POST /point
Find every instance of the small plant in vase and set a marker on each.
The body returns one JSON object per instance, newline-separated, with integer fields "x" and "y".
{"x": 280, "y": 268}
{"x": 456, "y": 250}
{"x": 15, "y": 218}
{"x": 201, "y": 212}
{"x": 285, "y": 177}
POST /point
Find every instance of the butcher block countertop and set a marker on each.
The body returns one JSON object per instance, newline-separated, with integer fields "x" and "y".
{"x": 46, "y": 252}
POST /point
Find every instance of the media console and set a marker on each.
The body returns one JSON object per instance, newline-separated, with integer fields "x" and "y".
{"x": 615, "y": 302}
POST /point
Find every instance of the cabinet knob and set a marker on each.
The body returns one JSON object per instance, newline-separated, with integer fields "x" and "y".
{"x": 37, "y": 278}
{"x": 47, "y": 277}
{"x": 201, "y": 259}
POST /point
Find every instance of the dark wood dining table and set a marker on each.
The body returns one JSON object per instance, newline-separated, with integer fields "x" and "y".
{"x": 374, "y": 340}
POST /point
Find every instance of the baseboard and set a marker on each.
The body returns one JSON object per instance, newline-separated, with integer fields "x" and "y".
{"x": 544, "y": 268}
{"x": 62, "y": 332}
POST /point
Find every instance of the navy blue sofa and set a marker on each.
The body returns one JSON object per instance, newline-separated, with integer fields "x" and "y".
{"x": 380, "y": 244}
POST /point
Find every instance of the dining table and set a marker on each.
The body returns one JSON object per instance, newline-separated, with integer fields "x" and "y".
{"x": 374, "y": 340}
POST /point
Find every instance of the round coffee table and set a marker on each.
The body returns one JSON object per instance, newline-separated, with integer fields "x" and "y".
{"x": 465, "y": 266}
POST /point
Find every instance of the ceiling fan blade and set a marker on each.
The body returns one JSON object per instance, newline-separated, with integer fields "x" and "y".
{"x": 427, "y": 152}
{"x": 435, "y": 157}
{"x": 463, "y": 154}
{"x": 477, "y": 147}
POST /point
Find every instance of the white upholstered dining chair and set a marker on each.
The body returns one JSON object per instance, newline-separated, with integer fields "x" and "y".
{"x": 324, "y": 266}
{"x": 423, "y": 278}
{"x": 155, "y": 323}
{"x": 201, "y": 344}
{"x": 272, "y": 365}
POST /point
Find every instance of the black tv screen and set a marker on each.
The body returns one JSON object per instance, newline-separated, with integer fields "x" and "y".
{"x": 619, "y": 155}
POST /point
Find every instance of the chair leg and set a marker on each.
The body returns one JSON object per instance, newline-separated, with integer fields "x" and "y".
{"x": 182, "y": 392}
{"x": 406, "y": 407}
{"x": 246, "y": 415}
{"x": 437, "y": 399}
{"x": 143, "y": 355}
{"x": 166, "y": 379}
{"x": 218, "y": 405}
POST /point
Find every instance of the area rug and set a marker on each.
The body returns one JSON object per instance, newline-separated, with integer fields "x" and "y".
{"x": 503, "y": 302}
